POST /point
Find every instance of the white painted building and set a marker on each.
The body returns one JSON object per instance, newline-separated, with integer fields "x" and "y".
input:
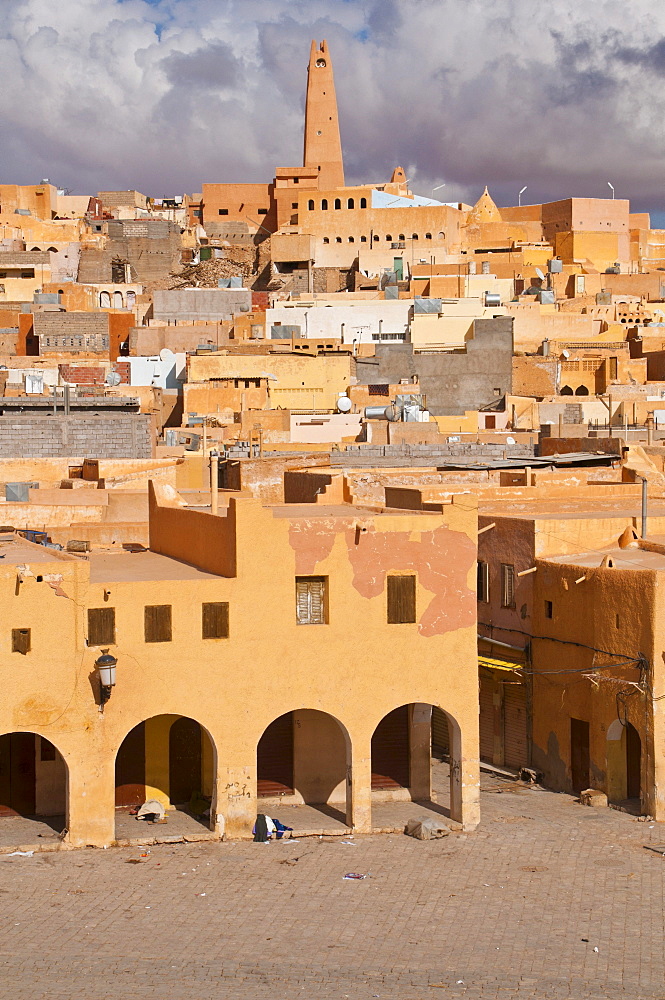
{"x": 363, "y": 322}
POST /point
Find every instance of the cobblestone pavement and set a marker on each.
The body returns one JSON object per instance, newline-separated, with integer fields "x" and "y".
{"x": 548, "y": 900}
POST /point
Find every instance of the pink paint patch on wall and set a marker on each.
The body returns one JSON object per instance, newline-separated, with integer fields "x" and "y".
{"x": 312, "y": 542}
{"x": 441, "y": 560}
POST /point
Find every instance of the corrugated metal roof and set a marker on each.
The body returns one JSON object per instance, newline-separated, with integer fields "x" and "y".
{"x": 494, "y": 664}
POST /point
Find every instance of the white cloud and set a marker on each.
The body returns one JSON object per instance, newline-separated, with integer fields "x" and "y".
{"x": 162, "y": 96}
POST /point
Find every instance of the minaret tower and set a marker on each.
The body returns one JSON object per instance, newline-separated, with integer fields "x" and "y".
{"x": 323, "y": 146}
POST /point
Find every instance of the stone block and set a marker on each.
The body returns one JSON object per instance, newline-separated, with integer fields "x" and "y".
{"x": 593, "y": 797}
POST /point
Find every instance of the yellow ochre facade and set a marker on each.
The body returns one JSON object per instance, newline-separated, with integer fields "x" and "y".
{"x": 340, "y": 676}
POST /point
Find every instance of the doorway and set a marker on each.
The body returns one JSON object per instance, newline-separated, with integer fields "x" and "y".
{"x": 633, "y": 762}
{"x": 579, "y": 754}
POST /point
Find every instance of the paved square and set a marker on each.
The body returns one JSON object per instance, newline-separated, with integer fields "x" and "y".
{"x": 547, "y": 900}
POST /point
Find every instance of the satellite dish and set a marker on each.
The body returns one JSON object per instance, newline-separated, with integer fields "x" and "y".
{"x": 166, "y": 355}
{"x": 112, "y": 379}
{"x": 565, "y": 354}
{"x": 344, "y": 404}
{"x": 510, "y": 440}
{"x": 540, "y": 274}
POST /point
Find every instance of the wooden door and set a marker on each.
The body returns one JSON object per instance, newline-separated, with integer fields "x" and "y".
{"x": 185, "y": 753}
{"x": 579, "y": 754}
{"x": 390, "y": 751}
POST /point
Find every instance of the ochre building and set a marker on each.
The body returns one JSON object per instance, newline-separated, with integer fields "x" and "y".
{"x": 290, "y": 652}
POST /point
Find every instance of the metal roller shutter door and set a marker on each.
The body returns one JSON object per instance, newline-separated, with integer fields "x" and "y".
{"x": 390, "y": 751}
{"x": 514, "y": 725}
{"x": 486, "y": 719}
{"x": 130, "y": 769}
{"x": 440, "y": 737}
{"x": 275, "y": 758}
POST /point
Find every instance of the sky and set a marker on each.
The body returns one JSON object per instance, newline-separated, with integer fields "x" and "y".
{"x": 161, "y": 95}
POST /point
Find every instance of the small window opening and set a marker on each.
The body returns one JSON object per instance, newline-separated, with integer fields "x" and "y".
{"x": 21, "y": 640}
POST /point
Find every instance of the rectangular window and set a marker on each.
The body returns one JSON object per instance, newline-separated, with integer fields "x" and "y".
{"x": 294, "y": 204}
{"x": 215, "y": 620}
{"x": 101, "y": 626}
{"x": 548, "y": 609}
{"x": 401, "y": 599}
{"x": 223, "y": 211}
{"x": 507, "y": 585}
{"x": 311, "y": 600}
{"x": 157, "y": 623}
{"x": 21, "y": 640}
{"x": 263, "y": 211}
{"x": 483, "y": 581}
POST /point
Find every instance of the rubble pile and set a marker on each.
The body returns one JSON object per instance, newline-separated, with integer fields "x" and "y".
{"x": 237, "y": 260}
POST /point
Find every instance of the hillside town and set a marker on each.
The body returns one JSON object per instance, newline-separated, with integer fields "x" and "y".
{"x": 435, "y": 430}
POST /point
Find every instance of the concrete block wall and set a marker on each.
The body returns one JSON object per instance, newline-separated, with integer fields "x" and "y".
{"x": 100, "y": 435}
{"x": 63, "y": 324}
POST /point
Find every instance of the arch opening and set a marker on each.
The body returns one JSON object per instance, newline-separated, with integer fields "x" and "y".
{"x": 303, "y": 758}
{"x": 33, "y": 783}
{"x": 624, "y": 765}
{"x": 415, "y": 757}
{"x": 170, "y": 758}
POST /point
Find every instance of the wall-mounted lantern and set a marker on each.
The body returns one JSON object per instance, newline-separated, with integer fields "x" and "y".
{"x": 105, "y": 665}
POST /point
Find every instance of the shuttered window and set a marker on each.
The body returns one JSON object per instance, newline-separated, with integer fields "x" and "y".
{"x": 507, "y": 585}
{"x": 20, "y": 640}
{"x": 311, "y": 600}
{"x": 483, "y": 581}
{"x": 101, "y": 626}
{"x": 401, "y": 599}
{"x": 215, "y": 620}
{"x": 157, "y": 623}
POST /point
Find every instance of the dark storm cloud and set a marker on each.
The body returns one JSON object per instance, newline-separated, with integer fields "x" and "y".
{"x": 215, "y": 66}
{"x": 651, "y": 58}
{"x": 164, "y": 95}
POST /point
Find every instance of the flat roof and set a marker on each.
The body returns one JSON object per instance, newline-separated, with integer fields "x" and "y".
{"x": 16, "y": 550}
{"x": 118, "y": 567}
{"x": 348, "y": 511}
{"x": 562, "y": 509}
{"x": 630, "y": 558}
